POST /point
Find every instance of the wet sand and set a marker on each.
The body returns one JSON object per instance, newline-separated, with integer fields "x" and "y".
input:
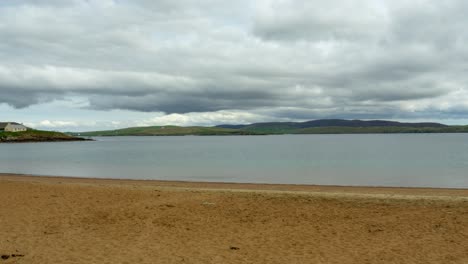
{"x": 73, "y": 220}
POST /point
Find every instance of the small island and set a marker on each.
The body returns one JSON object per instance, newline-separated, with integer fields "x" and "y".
{"x": 12, "y": 132}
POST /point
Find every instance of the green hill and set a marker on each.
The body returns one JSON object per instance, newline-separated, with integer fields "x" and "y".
{"x": 32, "y": 135}
{"x": 324, "y": 126}
{"x": 167, "y": 131}
{"x": 329, "y": 126}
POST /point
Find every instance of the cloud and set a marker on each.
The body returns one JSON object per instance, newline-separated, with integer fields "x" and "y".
{"x": 206, "y": 118}
{"x": 265, "y": 59}
{"x": 56, "y": 124}
{"x": 319, "y": 20}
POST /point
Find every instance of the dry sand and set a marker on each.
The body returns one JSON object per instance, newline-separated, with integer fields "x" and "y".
{"x": 64, "y": 220}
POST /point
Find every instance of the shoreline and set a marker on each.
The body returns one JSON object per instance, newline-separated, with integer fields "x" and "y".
{"x": 264, "y": 187}
{"x": 20, "y": 141}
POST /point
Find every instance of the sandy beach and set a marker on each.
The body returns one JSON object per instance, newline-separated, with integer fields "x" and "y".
{"x": 73, "y": 220}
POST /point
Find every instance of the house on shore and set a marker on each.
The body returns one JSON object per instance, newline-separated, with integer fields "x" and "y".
{"x": 12, "y": 127}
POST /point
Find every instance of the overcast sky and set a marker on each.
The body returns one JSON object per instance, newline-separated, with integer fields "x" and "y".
{"x": 98, "y": 64}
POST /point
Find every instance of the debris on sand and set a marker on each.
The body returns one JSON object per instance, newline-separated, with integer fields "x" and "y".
{"x": 7, "y": 256}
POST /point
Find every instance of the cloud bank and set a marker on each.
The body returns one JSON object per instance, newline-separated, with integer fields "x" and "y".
{"x": 265, "y": 59}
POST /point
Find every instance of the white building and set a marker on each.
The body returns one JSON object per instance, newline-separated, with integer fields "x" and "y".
{"x": 12, "y": 127}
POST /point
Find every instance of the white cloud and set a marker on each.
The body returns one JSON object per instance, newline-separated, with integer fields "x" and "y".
{"x": 206, "y": 119}
{"x": 52, "y": 124}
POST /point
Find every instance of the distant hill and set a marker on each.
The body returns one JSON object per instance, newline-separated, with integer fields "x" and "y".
{"x": 336, "y": 123}
{"x": 166, "y": 131}
{"x": 231, "y": 126}
{"x": 361, "y": 123}
{"x": 302, "y": 127}
{"x": 322, "y": 126}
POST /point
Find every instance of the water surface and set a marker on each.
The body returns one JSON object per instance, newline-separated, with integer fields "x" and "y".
{"x": 418, "y": 160}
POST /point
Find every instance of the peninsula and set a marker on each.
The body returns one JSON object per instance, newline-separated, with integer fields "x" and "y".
{"x": 11, "y": 132}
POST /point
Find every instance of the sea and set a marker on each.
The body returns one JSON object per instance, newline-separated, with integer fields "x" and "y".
{"x": 399, "y": 160}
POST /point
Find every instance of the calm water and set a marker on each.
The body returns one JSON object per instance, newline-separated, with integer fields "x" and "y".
{"x": 435, "y": 160}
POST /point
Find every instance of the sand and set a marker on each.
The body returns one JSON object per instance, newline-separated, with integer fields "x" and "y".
{"x": 65, "y": 220}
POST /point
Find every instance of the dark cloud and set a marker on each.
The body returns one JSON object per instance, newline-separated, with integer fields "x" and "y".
{"x": 292, "y": 59}
{"x": 184, "y": 102}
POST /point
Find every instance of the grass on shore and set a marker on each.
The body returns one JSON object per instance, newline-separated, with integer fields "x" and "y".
{"x": 32, "y": 135}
